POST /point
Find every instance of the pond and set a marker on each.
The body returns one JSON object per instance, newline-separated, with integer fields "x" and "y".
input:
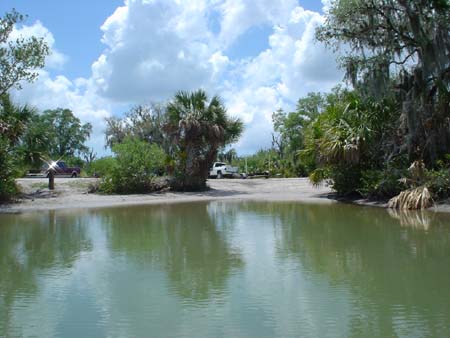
{"x": 225, "y": 269}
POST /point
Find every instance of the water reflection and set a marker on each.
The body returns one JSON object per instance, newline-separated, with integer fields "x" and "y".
{"x": 398, "y": 274}
{"x": 32, "y": 246}
{"x": 419, "y": 219}
{"x": 183, "y": 239}
{"x": 225, "y": 270}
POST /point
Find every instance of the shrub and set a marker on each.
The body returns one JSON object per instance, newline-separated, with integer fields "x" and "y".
{"x": 381, "y": 184}
{"x": 101, "y": 166}
{"x": 439, "y": 183}
{"x": 74, "y": 161}
{"x": 135, "y": 166}
{"x": 346, "y": 179}
{"x": 8, "y": 187}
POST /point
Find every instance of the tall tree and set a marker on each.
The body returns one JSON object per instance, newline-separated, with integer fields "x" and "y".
{"x": 290, "y": 128}
{"x": 401, "y": 48}
{"x": 13, "y": 124}
{"x": 20, "y": 58}
{"x": 198, "y": 127}
{"x": 144, "y": 122}
{"x": 19, "y": 61}
{"x": 66, "y": 134}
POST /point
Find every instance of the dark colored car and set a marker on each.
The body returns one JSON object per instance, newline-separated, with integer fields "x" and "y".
{"x": 61, "y": 169}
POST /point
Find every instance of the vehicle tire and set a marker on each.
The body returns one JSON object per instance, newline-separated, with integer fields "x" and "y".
{"x": 219, "y": 175}
{"x": 74, "y": 175}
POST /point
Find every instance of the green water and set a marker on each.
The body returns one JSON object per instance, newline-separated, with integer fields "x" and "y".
{"x": 225, "y": 270}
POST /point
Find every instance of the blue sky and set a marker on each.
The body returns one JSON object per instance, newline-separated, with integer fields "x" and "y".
{"x": 259, "y": 55}
{"x": 75, "y": 26}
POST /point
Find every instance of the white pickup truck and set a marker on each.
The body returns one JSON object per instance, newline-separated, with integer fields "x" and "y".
{"x": 220, "y": 169}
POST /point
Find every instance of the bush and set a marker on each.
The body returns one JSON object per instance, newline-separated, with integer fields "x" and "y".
{"x": 8, "y": 172}
{"x": 439, "y": 183}
{"x": 346, "y": 179}
{"x": 381, "y": 184}
{"x": 74, "y": 161}
{"x": 135, "y": 166}
{"x": 100, "y": 167}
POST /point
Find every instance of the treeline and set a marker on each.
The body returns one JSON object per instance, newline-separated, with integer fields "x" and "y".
{"x": 389, "y": 133}
{"x": 179, "y": 140}
{"x": 29, "y": 139}
{"x": 390, "y": 136}
{"x": 386, "y": 134}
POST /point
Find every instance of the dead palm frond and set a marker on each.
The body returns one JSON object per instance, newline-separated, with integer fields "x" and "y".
{"x": 412, "y": 199}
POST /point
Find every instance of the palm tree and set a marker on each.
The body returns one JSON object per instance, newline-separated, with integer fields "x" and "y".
{"x": 197, "y": 128}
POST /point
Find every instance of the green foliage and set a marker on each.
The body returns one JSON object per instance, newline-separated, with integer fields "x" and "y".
{"x": 8, "y": 170}
{"x": 134, "y": 168}
{"x": 290, "y": 133}
{"x": 64, "y": 132}
{"x": 346, "y": 179}
{"x": 264, "y": 160}
{"x": 19, "y": 59}
{"x": 319, "y": 176}
{"x": 197, "y": 128}
{"x": 399, "y": 49}
{"x": 74, "y": 161}
{"x": 101, "y": 166}
{"x": 396, "y": 58}
{"x": 438, "y": 181}
{"x": 381, "y": 184}
{"x": 346, "y": 139}
{"x": 13, "y": 124}
{"x": 54, "y": 134}
{"x": 144, "y": 122}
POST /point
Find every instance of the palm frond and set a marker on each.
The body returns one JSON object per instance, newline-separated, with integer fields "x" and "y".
{"x": 412, "y": 199}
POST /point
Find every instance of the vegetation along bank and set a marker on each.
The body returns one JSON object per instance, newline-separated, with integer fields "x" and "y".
{"x": 384, "y": 134}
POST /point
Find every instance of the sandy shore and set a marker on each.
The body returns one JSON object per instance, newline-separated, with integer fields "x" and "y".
{"x": 73, "y": 193}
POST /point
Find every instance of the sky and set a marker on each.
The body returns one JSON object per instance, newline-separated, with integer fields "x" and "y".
{"x": 108, "y": 55}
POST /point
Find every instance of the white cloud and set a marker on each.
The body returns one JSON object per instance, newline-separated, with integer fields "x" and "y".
{"x": 255, "y": 107}
{"x": 156, "y": 47}
{"x": 293, "y": 65}
{"x": 239, "y": 15}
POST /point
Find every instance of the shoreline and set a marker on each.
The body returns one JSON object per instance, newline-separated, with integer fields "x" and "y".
{"x": 73, "y": 194}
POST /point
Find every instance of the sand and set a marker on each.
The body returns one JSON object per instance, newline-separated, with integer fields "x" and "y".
{"x": 73, "y": 193}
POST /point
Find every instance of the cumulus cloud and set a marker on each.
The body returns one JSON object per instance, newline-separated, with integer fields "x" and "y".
{"x": 239, "y": 15}
{"x": 293, "y": 65}
{"x": 154, "y": 48}
{"x": 255, "y": 107}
